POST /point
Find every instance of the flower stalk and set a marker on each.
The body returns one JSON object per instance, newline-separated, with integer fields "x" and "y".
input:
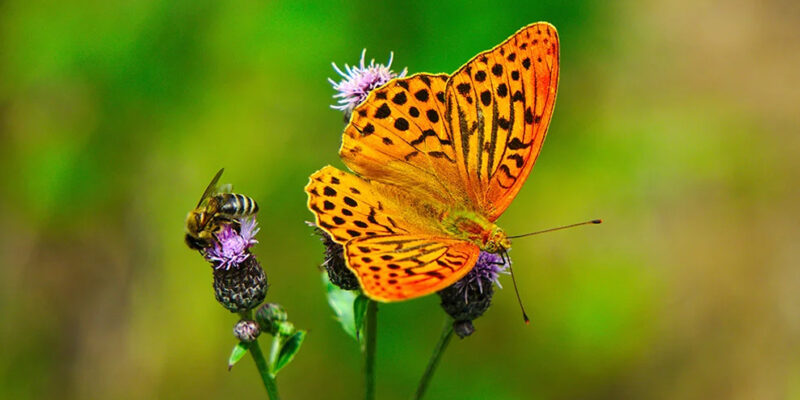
{"x": 438, "y": 351}
{"x": 369, "y": 348}
{"x": 264, "y": 370}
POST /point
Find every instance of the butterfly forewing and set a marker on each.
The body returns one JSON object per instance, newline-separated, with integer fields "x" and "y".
{"x": 397, "y": 136}
{"x": 498, "y": 109}
{"x": 400, "y": 267}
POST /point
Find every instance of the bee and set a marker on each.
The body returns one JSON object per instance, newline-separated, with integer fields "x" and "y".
{"x": 213, "y": 212}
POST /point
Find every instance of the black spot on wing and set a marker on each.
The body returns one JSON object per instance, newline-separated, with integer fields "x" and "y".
{"x": 399, "y": 98}
{"x": 401, "y": 124}
{"x": 516, "y": 144}
{"x": 517, "y": 159}
{"x": 497, "y": 70}
{"x": 383, "y": 111}
{"x": 486, "y": 98}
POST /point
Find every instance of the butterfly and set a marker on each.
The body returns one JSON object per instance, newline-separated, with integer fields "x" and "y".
{"x": 437, "y": 158}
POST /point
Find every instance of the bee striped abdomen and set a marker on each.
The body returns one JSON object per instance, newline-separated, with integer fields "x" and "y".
{"x": 237, "y": 205}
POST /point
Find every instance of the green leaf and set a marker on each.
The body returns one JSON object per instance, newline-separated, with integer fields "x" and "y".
{"x": 342, "y": 303}
{"x": 289, "y": 348}
{"x": 238, "y": 352}
{"x": 360, "y": 311}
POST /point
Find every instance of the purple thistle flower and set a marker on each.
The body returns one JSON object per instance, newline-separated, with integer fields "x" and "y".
{"x": 486, "y": 271}
{"x": 231, "y": 246}
{"x": 359, "y": 80}
{"x": 248, "y": 230}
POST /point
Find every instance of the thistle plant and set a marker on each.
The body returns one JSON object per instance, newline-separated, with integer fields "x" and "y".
{"x": 240, "y": 283}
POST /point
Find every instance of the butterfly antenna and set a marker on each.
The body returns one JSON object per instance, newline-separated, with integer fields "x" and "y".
{"x": 507, "y": 259}
{"x": 594, "y": 221}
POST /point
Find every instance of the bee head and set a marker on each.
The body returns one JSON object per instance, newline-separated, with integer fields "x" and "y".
{"x": 196, "y": 221}
{"x": 194, "y": 243}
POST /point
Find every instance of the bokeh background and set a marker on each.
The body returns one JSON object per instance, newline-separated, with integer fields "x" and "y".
{"x": 676, "y": 122}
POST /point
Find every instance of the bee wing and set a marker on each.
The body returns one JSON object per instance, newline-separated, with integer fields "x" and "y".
{"x": 212, "y": 187}
{"x": 225, "y": 188}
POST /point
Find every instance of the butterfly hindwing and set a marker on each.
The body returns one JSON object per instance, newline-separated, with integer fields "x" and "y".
{"x": 348, "y": 207}
{"x": 499, "y": 106}
{"x": 392, "y": 258}
{"x": 397, "y": 136}
{"x": 400, "y": 267}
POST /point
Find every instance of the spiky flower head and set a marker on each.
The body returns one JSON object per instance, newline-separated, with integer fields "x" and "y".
{"x": 357, "y": 81}
{"x": 240, "y": 283}
{"x": 246, "y": 331}
{"x": 471, "y": 296}
{"x": 230, "y": 248}
{"x": 334, "y": 263}
{"x": 242, "y": 288}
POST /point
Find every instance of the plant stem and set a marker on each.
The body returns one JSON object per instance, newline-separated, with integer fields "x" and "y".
{"x": 273, "y": 352}
{"x": 263, "y": 369}
{"x": 369, "y": 347}
{"x": 447, "y": 333}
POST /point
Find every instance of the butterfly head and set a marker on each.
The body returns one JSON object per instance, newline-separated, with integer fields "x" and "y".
{"x": 497, "y": 241}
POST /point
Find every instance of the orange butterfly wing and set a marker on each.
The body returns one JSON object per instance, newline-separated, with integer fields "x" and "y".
{"x": 349, "y": 207}
{"x": 499, "y": 106}
{"x": 401, "y": 267}
{"x": 398, "y": 136}
{"x": 393, "y": 258}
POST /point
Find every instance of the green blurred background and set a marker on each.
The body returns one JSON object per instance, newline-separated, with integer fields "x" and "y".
{"x": 676, "y": 122}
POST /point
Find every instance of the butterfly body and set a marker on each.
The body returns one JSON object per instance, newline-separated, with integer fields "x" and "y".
{"x": 436, "y": 159}
{"x": 475, "y": 228}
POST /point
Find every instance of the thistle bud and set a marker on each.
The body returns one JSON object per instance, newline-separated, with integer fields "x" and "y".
{"x": 271, "y": 317}
{"x": 241, "y": 288}
{"x": 463, "y": 328}
{"x": 246, "y": 331}
{"x": 470, "y": 297}
{"x": 334, "y": 264}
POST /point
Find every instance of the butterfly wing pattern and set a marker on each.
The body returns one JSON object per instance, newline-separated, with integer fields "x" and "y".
{"x": 427, "y": 143}
{"x": 398, "y": 135}
{"x": 499, "y": 106}
{"x": 392, "y": 258}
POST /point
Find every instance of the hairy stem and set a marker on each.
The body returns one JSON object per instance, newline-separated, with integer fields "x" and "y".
{"x": 447, "y": 334}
